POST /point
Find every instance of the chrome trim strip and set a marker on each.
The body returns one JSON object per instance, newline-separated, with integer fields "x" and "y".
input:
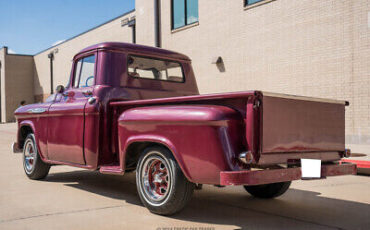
{"x": 303, "y": 98}
{"x": 36, "y": 110}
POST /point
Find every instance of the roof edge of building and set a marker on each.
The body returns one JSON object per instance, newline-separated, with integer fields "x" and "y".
{"x": 124, "y": 14}
{"x": 25, "y": 55}
{"x": 13, "y": 54}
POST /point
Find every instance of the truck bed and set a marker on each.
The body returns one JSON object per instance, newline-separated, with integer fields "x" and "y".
{"x": 298, "y": 127}
{"x": 278, "y": 127}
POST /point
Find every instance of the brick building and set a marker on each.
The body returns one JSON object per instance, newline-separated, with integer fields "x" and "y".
{"x": 318, "y": 48}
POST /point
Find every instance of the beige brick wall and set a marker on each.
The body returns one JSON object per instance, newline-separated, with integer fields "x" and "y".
{"x": 18, "y": 82}
{"x": 16, "y": 79}
{"x": 111, "y": 31}
{"x": 361, "y": 70}
{"x": 318, "y": 48}
{"x": 306, "y": 47}
{"x": 145, "y": 22}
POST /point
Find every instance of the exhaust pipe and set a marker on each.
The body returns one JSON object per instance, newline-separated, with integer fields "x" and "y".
{"x": 347, "y": 153}
{"x": 246, "y": 157}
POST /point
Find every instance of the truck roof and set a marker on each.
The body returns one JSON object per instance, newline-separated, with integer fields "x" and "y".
{"x": 134, "y": 48}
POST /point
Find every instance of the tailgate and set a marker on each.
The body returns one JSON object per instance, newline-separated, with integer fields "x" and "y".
{"x": 301, "y": 127}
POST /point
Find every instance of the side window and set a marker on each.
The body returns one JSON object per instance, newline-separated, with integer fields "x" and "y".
{"x": 84, "y": 72}
{"x": 155, "y": 69}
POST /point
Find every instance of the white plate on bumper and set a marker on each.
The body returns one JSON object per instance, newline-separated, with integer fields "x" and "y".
{"x": 311, "y": 168}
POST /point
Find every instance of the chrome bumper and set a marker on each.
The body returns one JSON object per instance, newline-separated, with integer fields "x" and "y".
{"x": 268, "y": 176}
{"x": 15, "y": 148}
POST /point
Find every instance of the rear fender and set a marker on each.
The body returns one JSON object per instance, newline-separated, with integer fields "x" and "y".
{"x": 204, "y": 139}
{"x": 155, "y": 139}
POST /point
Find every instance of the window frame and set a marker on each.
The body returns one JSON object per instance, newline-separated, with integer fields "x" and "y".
{"x": 185, "y": 16}
{"x": 158, "y": 59}
{"x": 251, "y": 5}
{"x": 79, "y": 77}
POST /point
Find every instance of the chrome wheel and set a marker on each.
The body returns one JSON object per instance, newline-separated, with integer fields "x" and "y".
{"x": 33, "y": 165}
{"x": 29, "y": 155}
{"x": 161, "y": 185}
{"x": 155, "y": 177}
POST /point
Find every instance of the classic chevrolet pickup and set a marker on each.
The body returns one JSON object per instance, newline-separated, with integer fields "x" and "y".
{"x": 130, "y": 107}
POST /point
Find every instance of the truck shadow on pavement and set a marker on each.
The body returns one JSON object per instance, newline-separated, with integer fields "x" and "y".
{"x": 297, "y": 209}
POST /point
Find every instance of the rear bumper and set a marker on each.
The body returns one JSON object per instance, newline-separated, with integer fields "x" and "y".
{"x": 268, "y": 176}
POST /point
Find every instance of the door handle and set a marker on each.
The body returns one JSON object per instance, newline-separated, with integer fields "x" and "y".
{"x": 91, "y": 100}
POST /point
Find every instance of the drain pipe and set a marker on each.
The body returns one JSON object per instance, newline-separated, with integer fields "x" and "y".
{"x": 51, "y": 57}
{"x": 0, "y": 94}
{"x": 132, "y": 24}
{"x": 157, "y": 23}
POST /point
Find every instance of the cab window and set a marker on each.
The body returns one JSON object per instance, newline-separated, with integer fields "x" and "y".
{"x": 84, "y": 72}
{"x": 156, "y": 69}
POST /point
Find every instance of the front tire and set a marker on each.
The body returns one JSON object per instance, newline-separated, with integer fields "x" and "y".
{"x": 267, "y": 191}
{"x": 161, "y": 185}
{"x": 33, "y": 165}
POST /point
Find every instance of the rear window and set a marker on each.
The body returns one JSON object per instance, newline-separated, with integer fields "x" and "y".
{"x": 156, "y": 69}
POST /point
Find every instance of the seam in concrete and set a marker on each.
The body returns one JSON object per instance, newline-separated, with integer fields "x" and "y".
{"x": 282, "y": 216}
{"x": 120, "y": 206}
{"x": 61, "y": 213}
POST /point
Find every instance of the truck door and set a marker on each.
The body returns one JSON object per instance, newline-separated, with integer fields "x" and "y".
{"x": 67, "y": 116}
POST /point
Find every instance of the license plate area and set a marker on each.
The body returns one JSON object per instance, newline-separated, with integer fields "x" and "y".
{"x": 310, "y": 169}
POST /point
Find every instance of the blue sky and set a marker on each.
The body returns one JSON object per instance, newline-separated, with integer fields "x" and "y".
{"x": 30, "y": 26}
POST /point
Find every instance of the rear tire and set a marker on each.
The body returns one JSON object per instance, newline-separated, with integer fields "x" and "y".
{"x": 161, "y": 185}
{"x": 267, "y": 191}
{"x": 33, "y": 165}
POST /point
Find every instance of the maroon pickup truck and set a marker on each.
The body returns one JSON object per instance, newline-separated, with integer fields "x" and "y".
{"x": 130, "y": 107}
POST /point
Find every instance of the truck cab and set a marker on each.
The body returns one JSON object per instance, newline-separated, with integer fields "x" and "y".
{"x": 101, "y": 74}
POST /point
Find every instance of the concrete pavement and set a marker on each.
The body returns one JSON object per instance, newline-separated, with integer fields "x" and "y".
{"x": 72, "y": 198}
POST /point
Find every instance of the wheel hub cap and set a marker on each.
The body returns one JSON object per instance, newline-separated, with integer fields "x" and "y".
{"x": 155, "y": 178}
{"x": 29, "y": 156}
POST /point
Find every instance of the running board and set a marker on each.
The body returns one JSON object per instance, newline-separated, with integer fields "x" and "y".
{"x": 111, "y": 169}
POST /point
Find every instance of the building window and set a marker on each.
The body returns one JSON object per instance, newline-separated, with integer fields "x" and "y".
{"x": 250, "y": 2}
{"x": 184, "y": 12}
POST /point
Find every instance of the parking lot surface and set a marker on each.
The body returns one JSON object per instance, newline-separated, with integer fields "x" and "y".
{"x": 72, "y": 198}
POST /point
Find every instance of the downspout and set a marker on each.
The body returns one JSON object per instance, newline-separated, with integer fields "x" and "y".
{"x": 134, "y": 34}
{"x": 132, "y": 24}
{"x": 51, "y": 57}
{"x": 157, "y": 21}
{"x": 0, "y": 94}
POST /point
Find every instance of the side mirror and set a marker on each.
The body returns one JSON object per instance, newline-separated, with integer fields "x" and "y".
{"x": 59, "y": 89}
